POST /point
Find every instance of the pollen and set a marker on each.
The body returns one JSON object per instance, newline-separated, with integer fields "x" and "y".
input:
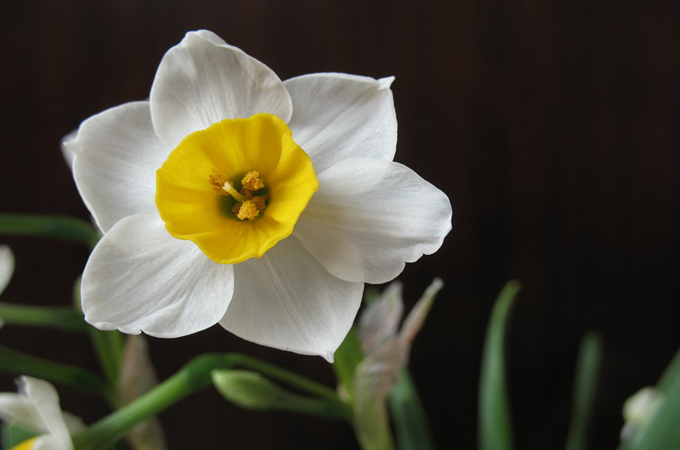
{"x": 217, "y": 182}
{"x": 246, "y": 210}
{"x": 252, "y": 181}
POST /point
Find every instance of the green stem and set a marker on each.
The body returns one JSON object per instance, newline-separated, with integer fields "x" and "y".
{"x": 61, "y": 318}
{"x": 60, "y": 227}
{"x": 193, "y": 377}
{"x": 19, "y": 363}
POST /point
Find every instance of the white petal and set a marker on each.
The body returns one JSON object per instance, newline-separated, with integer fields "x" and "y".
{"x": 287, "y": 300}
{"x": 139, "y": 278}
{"x": 48, "y": 442}
{"x": 19, "y": 408}
{"x": 74, "y": 424}
{"x": 369, "y": 217}
{"x": 6, "y": 266}
{"x": 68, "y": 153}
{"x": 202, "y": 80}
{"x": 380, "y": 319}
{"x": 338, "y": 116}
{"x": 45, "y": 398}
{"x": 117, "y": 154}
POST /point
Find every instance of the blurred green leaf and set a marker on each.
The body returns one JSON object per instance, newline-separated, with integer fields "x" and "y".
{"x": 60, "y": 317}
{"x": 495, "y": 427}
{"x": 585, "y": 385}
{"x": 108, "y": 345}
{"x": 60, "y": 227}
{"x": 347, "y": 358}
{"x": 371, "y": 294}
{"x": 410, "y": 420}
{"x": 17, "y": 363}
{"x": 13, "y": 434}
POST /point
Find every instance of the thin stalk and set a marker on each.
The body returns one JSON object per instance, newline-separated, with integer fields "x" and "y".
{"x": 61, "y": 317}
{"x": 60, "y": 227}
{"x": 18, "y": 363}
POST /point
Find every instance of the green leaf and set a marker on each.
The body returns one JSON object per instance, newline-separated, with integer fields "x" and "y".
{"x": 253, "y": 391}
{"x": 585, "y": 384}
{"x": 663, "y": 431}
{"x": 18, "y": 363}
{"x": 60, "y": 227}
{"x": 13, "y": 435}
{"x": 495, "y": 427}
{"x": 347, "y": 358}
{"x": 410, "y": 420}
{"x": 61, "y": 317}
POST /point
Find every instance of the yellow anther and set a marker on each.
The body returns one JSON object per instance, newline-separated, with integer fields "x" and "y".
{"x": 252, "y": 181}
{"x": 217, "y": 182}
{"x": 246, "y": 210}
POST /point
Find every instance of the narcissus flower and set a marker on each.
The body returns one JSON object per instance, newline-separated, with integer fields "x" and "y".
{"x": 233, "y": 197}
{"x": 36, "y": 410}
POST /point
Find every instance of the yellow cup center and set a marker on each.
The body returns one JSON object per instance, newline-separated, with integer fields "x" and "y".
{"x": 236, "y": 188}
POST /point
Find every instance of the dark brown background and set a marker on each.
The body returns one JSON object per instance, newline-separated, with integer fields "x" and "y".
{"x": 551, "y": 125}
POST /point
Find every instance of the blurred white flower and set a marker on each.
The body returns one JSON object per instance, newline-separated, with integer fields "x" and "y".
{"x": 6, "y": 266}
{"x": 6, "y": 269}
{"x": 386, "y": 357}
{"x": 204, "y": 194}
{"x": 36, "y": 409}
{"x": 638, "y": 412}
{"x": 138, "y": 377}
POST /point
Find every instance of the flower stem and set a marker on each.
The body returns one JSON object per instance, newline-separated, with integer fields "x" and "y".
{"x": 193, "y": 377}
{"x": 60, "y": 227}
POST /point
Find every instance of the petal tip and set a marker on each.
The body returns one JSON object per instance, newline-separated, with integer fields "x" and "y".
{"x": 385, "y": 83}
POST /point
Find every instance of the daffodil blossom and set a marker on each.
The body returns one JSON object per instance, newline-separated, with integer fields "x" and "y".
{"x": 36, "y": 409}
{"x": 231, "y": 196}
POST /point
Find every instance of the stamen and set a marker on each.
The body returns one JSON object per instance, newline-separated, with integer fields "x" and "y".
{"x": 252, "y": 181}
{"x": 246, "y": 210}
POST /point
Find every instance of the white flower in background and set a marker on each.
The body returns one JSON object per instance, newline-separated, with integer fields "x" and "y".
{"x": 387, "y": 350}
{"x": 36, "y": 409}
{"x": 6, "y": 269}
{"x": 138, "y": 377}
{"x": 638, "y": 412}
{"x": 6, "y": 266}
{"x": 233, "y": 197}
